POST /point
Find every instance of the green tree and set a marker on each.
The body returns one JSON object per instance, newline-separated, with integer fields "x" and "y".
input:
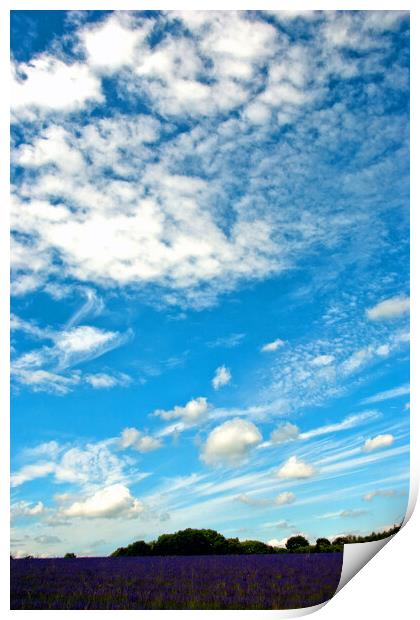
{"x": 190, "y": 542}
{"x": 323, "y": 544}
{"x": 138, "y": 548}
{"x": 295, "y": 543}
{"x": 70, "y": 555}
{"x": 255, "y": 546}
{"x": 233, "y": 546}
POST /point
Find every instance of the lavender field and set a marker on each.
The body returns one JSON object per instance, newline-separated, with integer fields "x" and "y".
{"x": 281, "y": 581}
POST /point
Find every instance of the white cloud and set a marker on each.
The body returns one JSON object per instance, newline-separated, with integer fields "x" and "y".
{"x": 322, "y": 360}
{"x": 285, "y": 498}
{"x": 42, "y": 369}
{"x": 295, "y": 468}
{"x": 233, "y": 340}
{"x": 83, "y": 339}
{"x": 222, "y": 377}
{"x": 275, "y": 542}
{"x": 348, "y": 422}
{"x": 45, "y": 381}
{"x": 51, "y": 84}
{"x": 285, "y": 432}
{"x": 45, "y": 539}
{"x": 54, "y": 147}
{"x": 231, "y": 442}
{"x": 380, "y": 441}
{"x": 110, "y": 45}
{"x": 133, "y": 438}
{"x": 387, "y": 394}
{"x": 280, "y": 500}
{"x": 108, "y": 503}
{"x": 90, "y": 466}
{"x": 26, "y": 509}
{"x": 249, "y": 500}
{"x": 30, "y": 472}
{"x": 389, "y": 308}
{"x": 344, "y": 514}
{"x": 352, "y": 513}
{"x": 272, "y": 346}
{"x": 160, "y": 226}
{"x": 104, "y": 380}
{"x": 47, "y": 449}
{"x": 29, "y": 327}
{"x": 358, "y": 359}
{"x": 379, "y": 493}
{"x": 383, "y": 350}
{"x": 194, "y": 411}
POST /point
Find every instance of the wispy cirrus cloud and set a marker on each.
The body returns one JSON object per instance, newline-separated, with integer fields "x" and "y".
{"x": 44, "y": 369}
{"x": 387, "y": 395}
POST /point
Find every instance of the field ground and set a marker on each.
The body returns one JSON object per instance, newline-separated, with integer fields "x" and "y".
{"x": 281, "y": 581}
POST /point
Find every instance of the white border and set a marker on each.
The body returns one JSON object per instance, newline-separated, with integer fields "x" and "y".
{"x": 385, "y": 587}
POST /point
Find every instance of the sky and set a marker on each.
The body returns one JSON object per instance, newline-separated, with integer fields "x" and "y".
{"x": 210, "y": 275}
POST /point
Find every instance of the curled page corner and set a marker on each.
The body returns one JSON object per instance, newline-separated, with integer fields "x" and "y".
{"x": 356, "y": 555}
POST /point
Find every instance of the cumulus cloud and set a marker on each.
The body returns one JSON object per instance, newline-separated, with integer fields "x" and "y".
{"x": 49, "y": 83}
{"x": 284, "y": 432}
{"x": 135, "y": 439}
{"x": 389, "y": 308}
{"x": 231, "y": 442}
{"x": 380, "y": 441}
{"x": 101, "y": 55}
{"x": 222, "y": 377}
{"x": 285, "y": 498}
{"x": 194, "y": 411}
{"x": 275, "y": 542}
{"x": 272, "y": 346}
{"x": 295, "y": 468}
{"x": 108, "y": 503}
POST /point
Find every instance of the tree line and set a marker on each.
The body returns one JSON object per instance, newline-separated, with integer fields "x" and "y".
{"x": 209, "y": 542}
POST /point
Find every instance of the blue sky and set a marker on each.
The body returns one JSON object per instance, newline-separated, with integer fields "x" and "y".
{"x": 210, "y": 285}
